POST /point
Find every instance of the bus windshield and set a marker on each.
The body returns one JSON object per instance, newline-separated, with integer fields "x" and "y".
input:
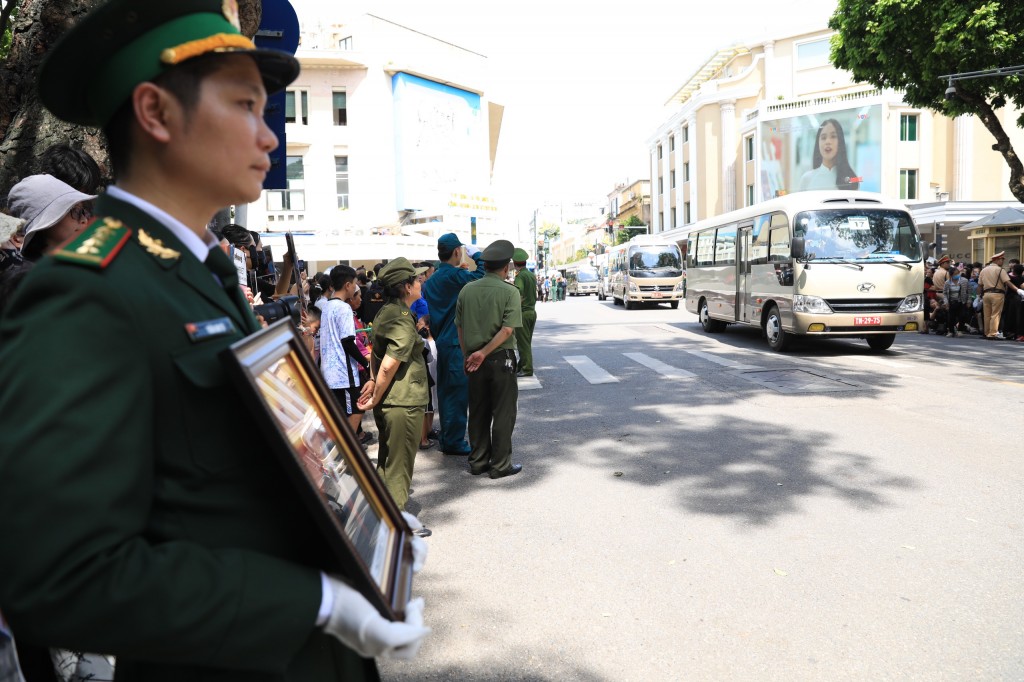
{"x": 858, "y": 234}
{"x": 655, "y": 261}
{"x": 587, "y": 275}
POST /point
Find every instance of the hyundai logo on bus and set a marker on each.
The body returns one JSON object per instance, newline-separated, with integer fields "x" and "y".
{"x": 865, "y": 287}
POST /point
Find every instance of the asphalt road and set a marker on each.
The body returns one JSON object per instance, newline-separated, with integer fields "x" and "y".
{"x": 733, "y": 513}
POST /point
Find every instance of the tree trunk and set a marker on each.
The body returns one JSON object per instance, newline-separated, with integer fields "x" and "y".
{"x": 1003, "y": 145}
{"x": 26, "y": 128}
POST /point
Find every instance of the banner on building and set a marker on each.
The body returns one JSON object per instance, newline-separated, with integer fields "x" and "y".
{"x": 827, "y": 150}
{"x": 440, "y": 144}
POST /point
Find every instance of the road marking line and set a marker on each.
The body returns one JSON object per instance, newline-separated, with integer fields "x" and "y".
{"x": 589, "y": 369}
{"x": 719, "y": 360}
{"x": 529, "y": 383}
{"x": 660, "y": 367}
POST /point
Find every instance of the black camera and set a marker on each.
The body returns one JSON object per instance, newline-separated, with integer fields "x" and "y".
{"x": 286, "y": 306}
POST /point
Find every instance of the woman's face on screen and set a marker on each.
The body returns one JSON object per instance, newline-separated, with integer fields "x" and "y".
{"x": 828, "y": 144}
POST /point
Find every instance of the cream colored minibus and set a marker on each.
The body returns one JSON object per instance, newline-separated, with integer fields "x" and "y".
{"x": 825, "y": 263}
{"x": 645, "y": 270}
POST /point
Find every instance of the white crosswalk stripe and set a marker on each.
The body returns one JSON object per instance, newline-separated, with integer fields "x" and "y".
{"x": 660, "y": 367}
{"x": 589, "y": 369}
{"x": 719, "y": 360}
{"x": 529, "y": 383}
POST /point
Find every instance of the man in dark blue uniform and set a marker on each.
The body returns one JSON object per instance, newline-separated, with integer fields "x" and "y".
{"x": 442, "y": 293}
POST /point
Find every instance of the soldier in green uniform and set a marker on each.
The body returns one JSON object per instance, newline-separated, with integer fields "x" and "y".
{"x": 486, "y": 316}
{"x": 141, "y": 513}
{"x": 527, "y": 285}
{"x": 397, "y": 388}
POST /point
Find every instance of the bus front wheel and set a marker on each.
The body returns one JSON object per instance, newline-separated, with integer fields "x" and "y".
{"x": 628, "y": 303}
{"x": 778, "y": 339}
{"x": 880, "y": 342}
{"x": 704, "y": 315}
{"x": 674, "y": 305}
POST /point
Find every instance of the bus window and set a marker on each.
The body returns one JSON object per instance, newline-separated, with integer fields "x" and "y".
{"x": 706, "y": 248}
{"x": 779, "y": 248}
{"x": 725, "y": 246}
{"x": 691, "y": 252}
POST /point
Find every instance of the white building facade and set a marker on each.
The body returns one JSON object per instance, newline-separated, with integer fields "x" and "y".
{"x": 391, "y": 141}
{"x": 744, "y": 129}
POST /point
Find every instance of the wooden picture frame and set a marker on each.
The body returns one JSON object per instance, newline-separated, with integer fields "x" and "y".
{"x": 305, "y": 425}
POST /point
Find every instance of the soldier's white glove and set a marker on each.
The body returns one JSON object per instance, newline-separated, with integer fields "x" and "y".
{"x": 419, "y": 545}
{"x": 361, "y": 628}
{"x": 472, "y": 250}
{"x": 1020, "y": 292}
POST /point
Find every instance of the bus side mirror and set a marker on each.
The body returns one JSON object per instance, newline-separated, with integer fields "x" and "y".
{"x": 798, "y": 248}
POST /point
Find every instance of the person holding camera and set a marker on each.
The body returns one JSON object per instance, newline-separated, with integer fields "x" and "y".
{"x": 397, "y": 389}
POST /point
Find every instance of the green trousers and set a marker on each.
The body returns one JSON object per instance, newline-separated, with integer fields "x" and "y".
{"x": 399, "y": 438}
{"x": 524, "y": 341}
{"x": 493, "y": 403}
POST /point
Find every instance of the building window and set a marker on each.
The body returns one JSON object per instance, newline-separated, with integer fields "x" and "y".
{"x": 671, "y": 143}
{"x": 341, "y": 173}
{"x": 673, "y": 217}
{"x": 659, "y": 152}
{"x": 686, "y": 171}
{"x": 686, "y": 213}
{"x": 908, "y": 127}
{"x": 686, "y": 133}
{"x": 750, "y": 148}
{"x": 908, "y": 183}
{"x": 672, "y": 179}
{"x": 750, "y": 195}
{"x": 340, "y": 108}
{"x": 296, "y": 114}
{"x": 293, "y": 198}
{"x": 813, "y": 54}
{"x": 345, "y": 43}
{"x": 661, "y": 186}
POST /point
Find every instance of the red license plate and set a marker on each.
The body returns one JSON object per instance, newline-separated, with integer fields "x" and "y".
{"x": 656, "y": 294}
{"x": 867, "y": 321}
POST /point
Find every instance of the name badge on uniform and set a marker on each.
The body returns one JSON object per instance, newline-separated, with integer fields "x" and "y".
{"x": 208, "y": 329}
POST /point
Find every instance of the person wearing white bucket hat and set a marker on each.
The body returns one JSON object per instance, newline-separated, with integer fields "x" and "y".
{"x": 54, "y": 211}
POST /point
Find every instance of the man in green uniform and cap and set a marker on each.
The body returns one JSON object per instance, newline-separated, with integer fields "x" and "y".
{"x": 527, "y": 285}
{"x": 141, "y": 513}
{"x": 486, "y": 316}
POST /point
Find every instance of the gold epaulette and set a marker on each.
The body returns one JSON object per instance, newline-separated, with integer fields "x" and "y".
{"x": 97, "y": 245}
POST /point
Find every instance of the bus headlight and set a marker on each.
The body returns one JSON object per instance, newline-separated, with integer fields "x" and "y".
{"x": 912, "y": 304}
{"x": 633, "y": 287}
{"x": 680, "y": 285}
{"x": 810, "y": 304}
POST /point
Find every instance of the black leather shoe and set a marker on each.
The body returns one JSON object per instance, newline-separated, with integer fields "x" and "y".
{"x": 511, "y": 471}
{"x": 477, "y": 473}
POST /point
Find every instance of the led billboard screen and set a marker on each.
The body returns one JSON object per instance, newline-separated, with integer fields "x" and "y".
{"x": 440, "y": 143}
{"x": 828, "y": 150}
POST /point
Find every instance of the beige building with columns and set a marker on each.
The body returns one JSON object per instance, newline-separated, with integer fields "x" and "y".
{"x": 742, "y": 129}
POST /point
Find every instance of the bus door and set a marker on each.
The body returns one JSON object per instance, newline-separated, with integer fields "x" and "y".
{"x": 743, "y": 244}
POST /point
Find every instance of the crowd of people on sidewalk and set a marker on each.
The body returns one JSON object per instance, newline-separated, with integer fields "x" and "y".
{"x": 142, "y": 514}
{"x": 967, "y": 298}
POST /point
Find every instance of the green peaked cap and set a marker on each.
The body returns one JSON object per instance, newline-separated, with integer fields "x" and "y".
{"x": 93, "y": 69}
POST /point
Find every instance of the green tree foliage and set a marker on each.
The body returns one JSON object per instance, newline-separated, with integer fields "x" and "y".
{"x": 908, "y": 44}
{"x": 633, "y": 221}
{"x": 551, "y": 230}
{"x": 8, "y": 11}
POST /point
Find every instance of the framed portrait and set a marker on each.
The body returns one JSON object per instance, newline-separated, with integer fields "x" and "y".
{"x": 360, "y": 521}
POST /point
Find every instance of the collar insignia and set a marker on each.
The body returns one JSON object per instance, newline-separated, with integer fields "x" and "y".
{"x": 156, "y": 247}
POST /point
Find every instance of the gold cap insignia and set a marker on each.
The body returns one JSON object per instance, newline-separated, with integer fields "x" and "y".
{"x": 230, "y": 10}
{"x": 156, "y": 247}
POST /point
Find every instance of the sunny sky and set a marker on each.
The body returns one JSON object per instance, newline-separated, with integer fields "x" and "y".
{"x": 584, "y": 84}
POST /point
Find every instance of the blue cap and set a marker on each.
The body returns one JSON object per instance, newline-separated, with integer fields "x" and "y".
{"x": 449, "y": 241}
